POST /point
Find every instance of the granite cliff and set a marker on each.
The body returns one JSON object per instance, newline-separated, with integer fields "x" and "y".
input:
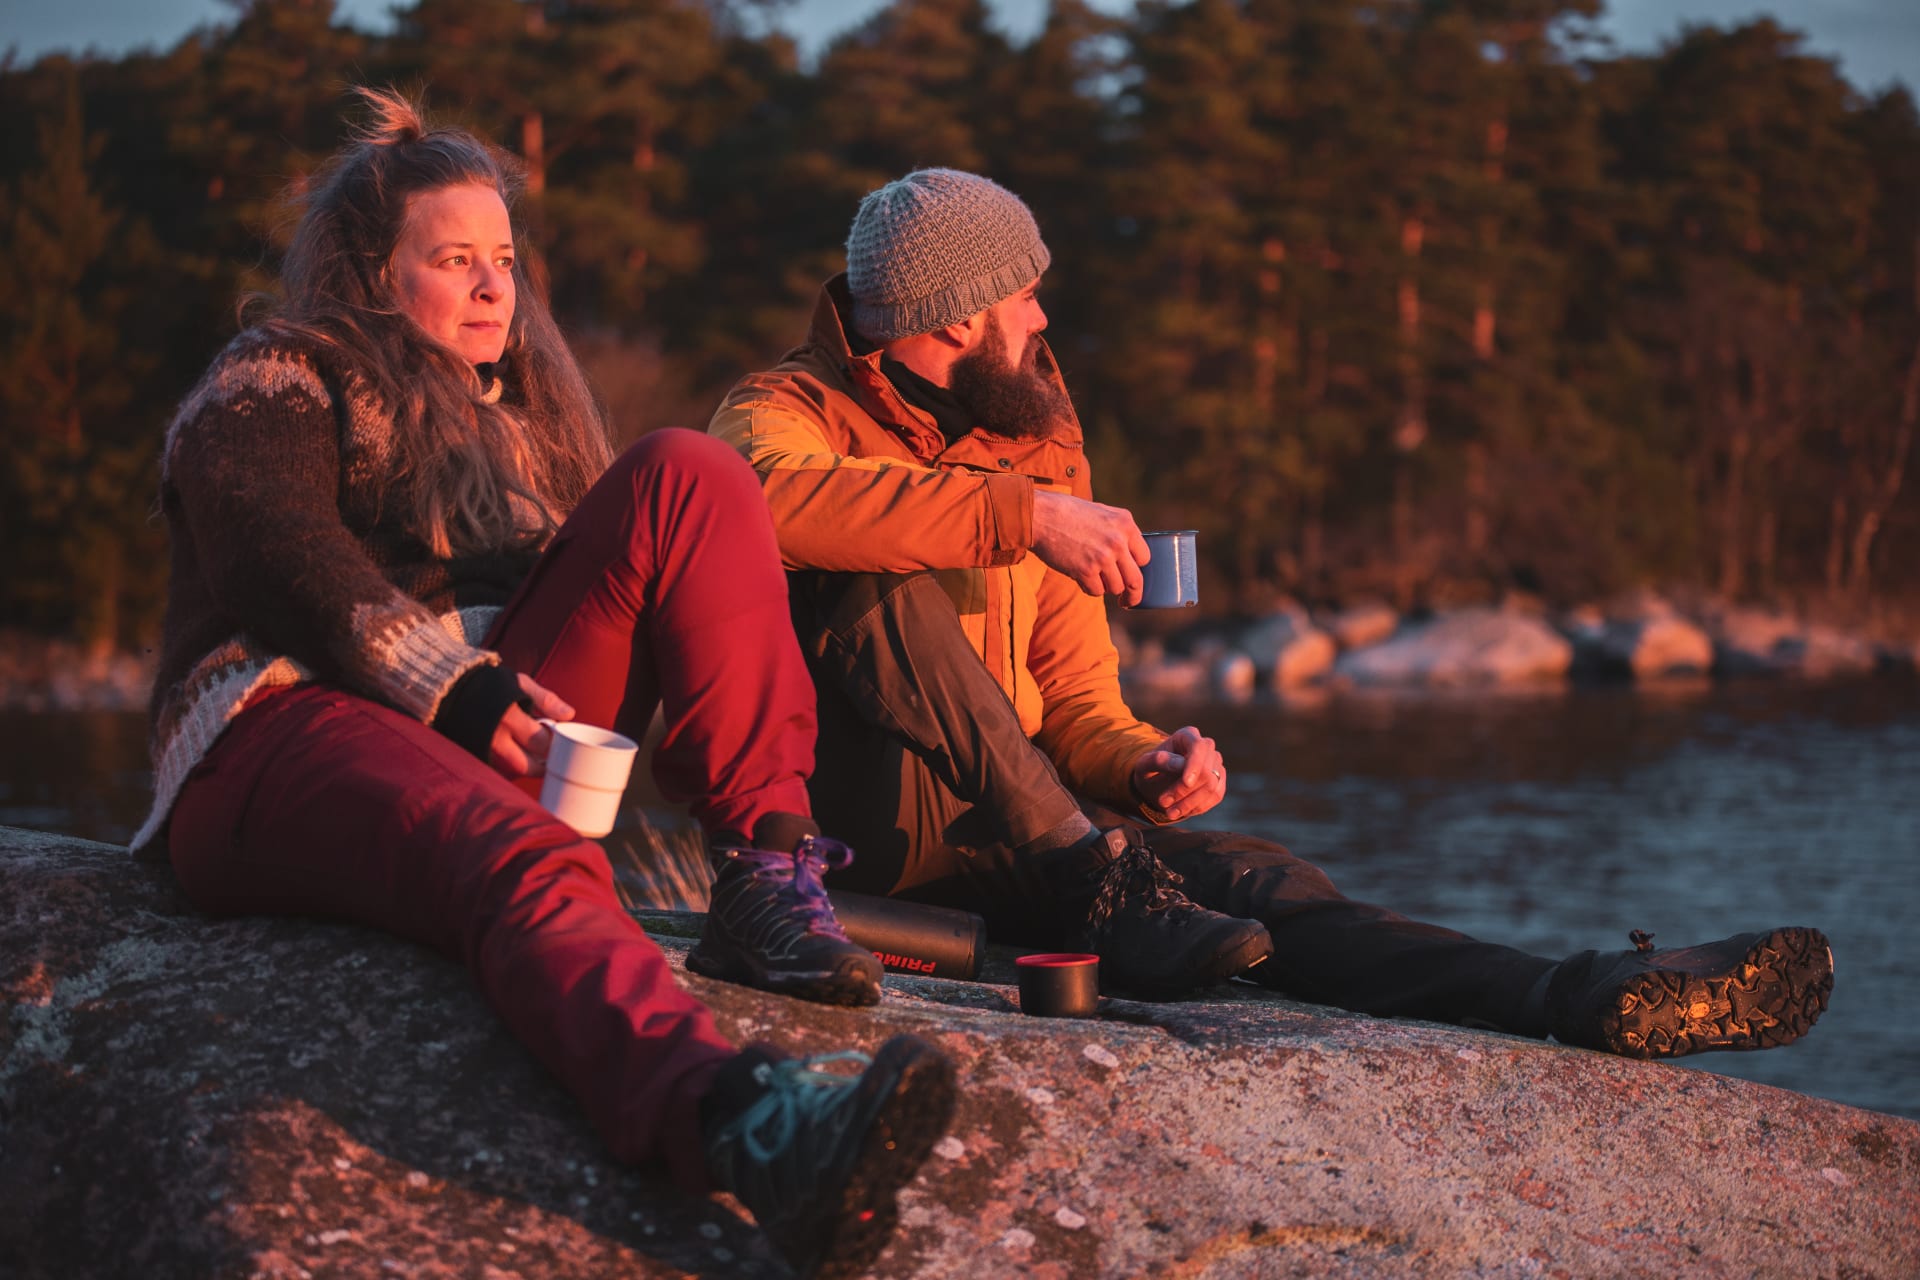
{"x": 186, "y": 1097}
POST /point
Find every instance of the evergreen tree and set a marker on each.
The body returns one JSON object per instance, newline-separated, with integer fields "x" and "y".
{"x": 1202, "y": 337}
{"x": 78, "y": 482}
{"x": 1408, "y": 295}
{"x": 1759, "y": 204}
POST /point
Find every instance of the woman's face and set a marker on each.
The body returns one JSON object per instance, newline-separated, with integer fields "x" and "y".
{"x": 453, "y": 268}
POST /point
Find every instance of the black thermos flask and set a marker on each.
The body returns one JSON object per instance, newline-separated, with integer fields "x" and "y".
{"x": 911, "y": 937}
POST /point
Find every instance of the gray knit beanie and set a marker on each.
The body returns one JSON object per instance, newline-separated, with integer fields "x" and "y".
{"x": 934, "y": 248}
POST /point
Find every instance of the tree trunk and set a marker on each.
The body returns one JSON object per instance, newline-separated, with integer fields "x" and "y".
{"x": 1890, "y": 481}
{"x": 1478, "y": 492}
{"x": 1765, "y": 547}
{"x": 1313, "y": 388}
{"x": 100, "y": 612}
{"x": 1836, "y": 546}
{"x": 1403, "y": 533}
{"x": 533, "y": 151}
{"x": 644, "y": 155}
{"x": 1736, "y": 420}
{"x": 1493, "y": 169}
{"x": 1732, "y": 559}
{"x": 1312, "y": 541}
{"x": 1411, "y": 430}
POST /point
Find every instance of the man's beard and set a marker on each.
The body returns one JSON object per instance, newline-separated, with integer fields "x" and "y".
{"x": 1015, "y": 401}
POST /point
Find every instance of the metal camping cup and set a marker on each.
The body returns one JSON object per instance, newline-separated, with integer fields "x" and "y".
{"x": 1172, "y": 578}
{"x": 1059, "y": 985}
{"x": 587, "y": 769}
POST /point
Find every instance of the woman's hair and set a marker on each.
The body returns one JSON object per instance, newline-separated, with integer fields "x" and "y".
{"x": 478, "y": 471}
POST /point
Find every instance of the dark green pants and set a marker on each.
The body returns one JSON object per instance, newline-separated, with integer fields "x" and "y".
{"x": 923, "y": 768}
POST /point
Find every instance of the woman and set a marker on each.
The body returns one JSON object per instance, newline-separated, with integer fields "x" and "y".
{"x": 373, "y": 596}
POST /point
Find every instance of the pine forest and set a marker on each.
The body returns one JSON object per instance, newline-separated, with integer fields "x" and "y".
{"x": 1419, "y": 298}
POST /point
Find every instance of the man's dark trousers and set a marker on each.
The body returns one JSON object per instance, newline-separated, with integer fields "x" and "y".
{"x": 923, "y": 768}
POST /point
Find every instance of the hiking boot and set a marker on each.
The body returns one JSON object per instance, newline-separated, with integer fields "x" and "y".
{"x": 1752, "y": 991}
{"x": 770, "y": 926}
{"x": 1151, "y": 938}
{"x": 816, "y": 1156}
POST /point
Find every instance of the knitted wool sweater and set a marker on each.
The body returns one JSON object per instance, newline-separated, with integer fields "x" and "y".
{"x": 289, "y": 560}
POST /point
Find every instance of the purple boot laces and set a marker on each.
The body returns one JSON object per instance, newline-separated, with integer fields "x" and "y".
{"x": 796, "y": 879}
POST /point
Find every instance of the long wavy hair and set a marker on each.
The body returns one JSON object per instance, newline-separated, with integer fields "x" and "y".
{"x": 477, "y": 468}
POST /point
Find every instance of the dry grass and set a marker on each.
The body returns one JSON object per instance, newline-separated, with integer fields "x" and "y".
{"x": 658, "y": 870}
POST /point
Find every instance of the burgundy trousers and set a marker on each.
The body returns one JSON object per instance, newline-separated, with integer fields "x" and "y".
{"x": 663, "y": 588}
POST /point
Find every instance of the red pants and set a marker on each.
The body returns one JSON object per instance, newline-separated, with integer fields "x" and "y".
{"x": 664, "y": 587}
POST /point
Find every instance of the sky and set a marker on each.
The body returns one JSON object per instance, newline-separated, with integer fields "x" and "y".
{"x": 1874, "y": 41}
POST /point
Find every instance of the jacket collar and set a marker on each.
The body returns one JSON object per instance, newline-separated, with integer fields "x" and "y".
{"x": 876, "y": 393}
{"x": 871, "y": 388}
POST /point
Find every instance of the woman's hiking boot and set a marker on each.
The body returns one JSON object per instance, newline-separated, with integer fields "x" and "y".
{"x": 817, "y": 1156}
{"x": 1152, "y": 939}
{"x": 1750, "y": 991}
{"x": 770, "y": 925}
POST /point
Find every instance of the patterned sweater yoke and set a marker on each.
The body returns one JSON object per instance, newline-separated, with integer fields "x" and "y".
{"x": 288, "y": 560}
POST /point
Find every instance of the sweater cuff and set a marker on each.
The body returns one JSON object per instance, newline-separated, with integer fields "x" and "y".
{"x": 472, "y": 708}
{"x": 1009, "y": 519}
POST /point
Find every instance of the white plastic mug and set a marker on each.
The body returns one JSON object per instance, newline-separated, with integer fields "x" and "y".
{"x": 1172, "y": 578}
{"x": 587, "y": 769}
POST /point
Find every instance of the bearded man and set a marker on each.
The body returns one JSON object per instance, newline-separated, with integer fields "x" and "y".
{"x": 948, "y": 565}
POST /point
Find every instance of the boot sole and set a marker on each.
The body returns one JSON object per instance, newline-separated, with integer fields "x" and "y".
{"x": 1770, "y": 996}
{"x": 898, "y": 1141}
{"x": 1254, "y": 946}
{"x": 848, "y": 987}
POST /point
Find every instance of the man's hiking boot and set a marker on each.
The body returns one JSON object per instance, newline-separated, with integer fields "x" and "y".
{"x": 1151, "y": 938}
{"x": 816, "y": 1156}
{"x": 770, "y": 926}
{"x": 1751, "y": 991}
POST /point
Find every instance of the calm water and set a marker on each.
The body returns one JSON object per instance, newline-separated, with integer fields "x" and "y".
{"x": 1552, "y": 822}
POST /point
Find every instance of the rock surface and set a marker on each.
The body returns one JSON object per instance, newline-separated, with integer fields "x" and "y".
{"x": 1154, "y": 673}
{"x": 1287, "y": 650}
{"x": 1755, "y": 642}
{"x": 1366, "y": 622}
{"x": 1645, "y": 638}
{"x": 185, "y": 1097}
{"x": 1826, "y": 652}
{"x": 1478, "y": 646}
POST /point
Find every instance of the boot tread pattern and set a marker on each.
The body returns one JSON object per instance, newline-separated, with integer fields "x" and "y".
{"x": 1770, "y": 998}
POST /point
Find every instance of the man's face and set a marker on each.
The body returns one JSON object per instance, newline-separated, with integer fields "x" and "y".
{"x": 999, "y": 377}
{"x": 1019, "y": 320}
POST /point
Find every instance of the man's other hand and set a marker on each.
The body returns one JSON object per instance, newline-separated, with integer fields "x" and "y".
{"x": 1183, "y": 777}
{"x": 1097, "y": 546}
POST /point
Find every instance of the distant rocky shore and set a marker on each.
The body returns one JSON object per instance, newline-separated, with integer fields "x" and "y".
{"x": 1517, "y": 643}
{"x": 38, "y": 674}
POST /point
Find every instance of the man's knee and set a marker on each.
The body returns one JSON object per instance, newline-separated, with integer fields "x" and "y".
{"x": 844, "y": 604}
{"x": 1240, "y": 874}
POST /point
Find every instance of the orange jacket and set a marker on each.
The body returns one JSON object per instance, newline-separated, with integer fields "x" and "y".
{"x": 861, "y": 481}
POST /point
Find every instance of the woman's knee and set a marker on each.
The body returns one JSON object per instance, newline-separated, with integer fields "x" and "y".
{"x": 681, "y": 451}
{"x": 519, "y": 853}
